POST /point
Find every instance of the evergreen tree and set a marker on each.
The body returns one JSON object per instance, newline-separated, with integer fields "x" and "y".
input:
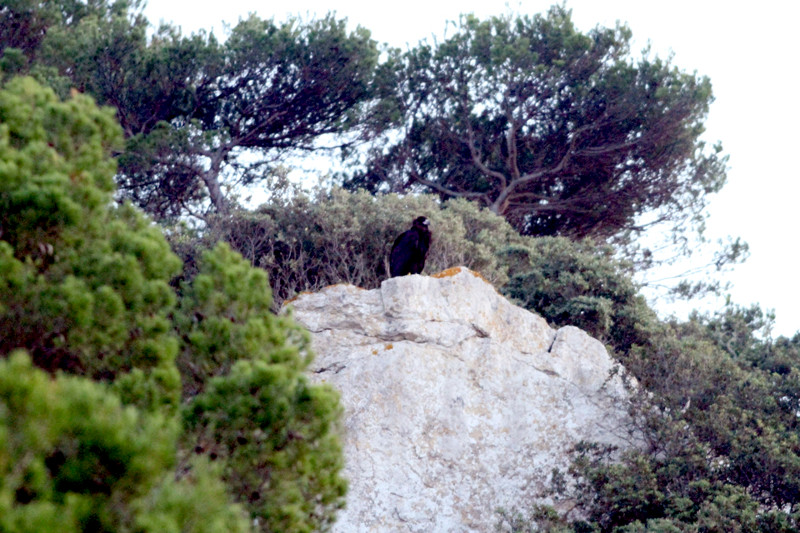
{"x": 85, "y": 284}
{"x": 73, "y": 458}
{"x": 85, "y": 291}
{"x": 560, "y": 132}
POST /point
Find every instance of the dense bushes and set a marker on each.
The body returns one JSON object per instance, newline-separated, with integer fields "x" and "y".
{"x": 579, "y": 284}
{"x": 305, "y": 244}
{"x": 73, "y": 458}
{"x": 85, "y": 286}
{"x": 110, "y": 440}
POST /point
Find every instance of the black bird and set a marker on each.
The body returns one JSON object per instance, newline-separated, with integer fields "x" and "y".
{"x": 410, "y": 248}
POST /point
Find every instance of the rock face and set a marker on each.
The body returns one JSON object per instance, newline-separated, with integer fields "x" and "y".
{"x": 456, "y": 401}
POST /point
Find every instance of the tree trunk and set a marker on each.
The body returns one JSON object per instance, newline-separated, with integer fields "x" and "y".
{"x": 211, "y": 179}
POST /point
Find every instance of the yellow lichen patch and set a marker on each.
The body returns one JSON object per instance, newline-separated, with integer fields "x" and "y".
{"x": 450, "y": 272}
{"x": 457, "y": 270}
{"x": 374, "y": 352}
{"x": 388, "y": 346}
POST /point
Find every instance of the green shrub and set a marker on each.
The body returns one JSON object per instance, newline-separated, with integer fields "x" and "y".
{"x": 251, "y": 407}
{"x": 85, "y": 290}
{"x": 275, "y": 434}
{"x": 73, "y": 458}
{"x": 225, "y": 316}
{"x": 85, "y": 285}
{"x": 579, "y": 284}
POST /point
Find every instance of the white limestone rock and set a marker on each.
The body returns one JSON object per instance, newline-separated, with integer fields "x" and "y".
{"x": 456, "y": 401}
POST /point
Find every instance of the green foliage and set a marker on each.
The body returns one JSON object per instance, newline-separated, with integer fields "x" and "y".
{"x": 197, "y": 503}
{"x": 275, "y": 434}
{"x": 108, "y": 55}
{"x": 24, "y": 25}
{"x": 558, "y": 131}
{"x": 641, "y": 493}
{"x": 85, "y": 288}
{"x": 580, "y": 284}
{"x": 251, "y": 407}
{"x": 189, "y": 105}
{"x": 73, "y": 458}
{"x": 225, "y": 316}
{"x": 149, "y": 82}
{"x": 271, "y": 89}
{"x": 85, "y": 285}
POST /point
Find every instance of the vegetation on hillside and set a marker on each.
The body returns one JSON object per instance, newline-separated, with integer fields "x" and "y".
{"x": 127, "y": 405}
{"x": 146, "y": 383}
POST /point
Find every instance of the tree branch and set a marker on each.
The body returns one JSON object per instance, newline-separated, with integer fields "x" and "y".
{"x": 476, "y": 159}
{"x": 450, "y": 192}
{"x": 499, "y": 206}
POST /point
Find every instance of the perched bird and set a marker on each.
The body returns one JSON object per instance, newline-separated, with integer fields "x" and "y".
{"x": 410, "y": 248}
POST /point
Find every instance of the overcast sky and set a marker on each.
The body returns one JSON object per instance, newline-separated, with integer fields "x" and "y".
{"x": 749, "y": 50}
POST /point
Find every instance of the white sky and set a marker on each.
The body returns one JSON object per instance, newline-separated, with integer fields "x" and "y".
{"x": 749, "y": 50}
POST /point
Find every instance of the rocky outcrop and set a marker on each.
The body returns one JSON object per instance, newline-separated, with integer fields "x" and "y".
{"x": 456, "y": 401}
